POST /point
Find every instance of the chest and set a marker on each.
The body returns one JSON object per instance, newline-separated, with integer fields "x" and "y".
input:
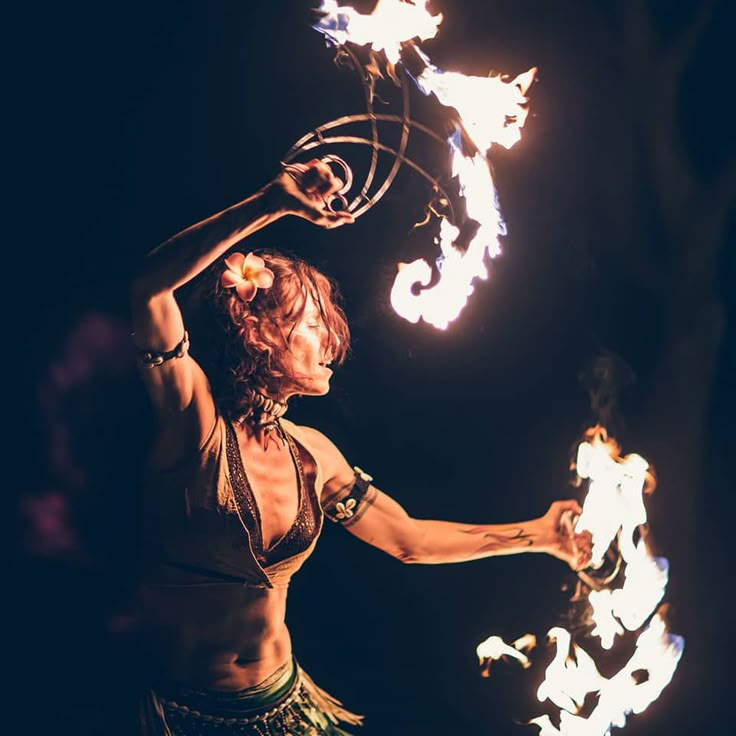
{"x": 275, "y": 480}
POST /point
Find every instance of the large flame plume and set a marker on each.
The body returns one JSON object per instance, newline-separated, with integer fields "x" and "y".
{"x": 490, "y": 110}
{"x": 614, "y": 513}
{"x": 391, "y": 23}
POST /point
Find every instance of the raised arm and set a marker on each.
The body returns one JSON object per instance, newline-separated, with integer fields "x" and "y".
{"x": 379, "y": 520}
{"x": 177, "y": 387}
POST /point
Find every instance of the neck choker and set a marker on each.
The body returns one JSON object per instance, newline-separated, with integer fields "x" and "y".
{"x": 264, "y": 418}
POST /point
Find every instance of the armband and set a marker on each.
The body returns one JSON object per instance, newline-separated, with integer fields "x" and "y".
{"x": 152, "y": 358}
{"x": 348, "y": 504}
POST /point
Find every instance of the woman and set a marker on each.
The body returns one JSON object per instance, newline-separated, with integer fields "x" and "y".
{"x": 237, "y": 494}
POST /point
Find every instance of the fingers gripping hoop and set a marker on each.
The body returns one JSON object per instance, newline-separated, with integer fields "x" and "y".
{"x": 347, "y": 177}
{"x": 297, "y": 171}
{"x": 364, "y": 199}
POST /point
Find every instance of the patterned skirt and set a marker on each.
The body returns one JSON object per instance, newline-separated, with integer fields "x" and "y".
{"x": 288, "y": 703}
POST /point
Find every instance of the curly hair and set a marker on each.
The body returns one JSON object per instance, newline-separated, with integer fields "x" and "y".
{"x": 241, "y": 345}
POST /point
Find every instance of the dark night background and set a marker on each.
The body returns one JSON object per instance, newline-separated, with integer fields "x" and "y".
{"x": 612, "y": 300}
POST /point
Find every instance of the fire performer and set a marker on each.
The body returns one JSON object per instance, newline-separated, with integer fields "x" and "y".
{"x": 236, "y": 495}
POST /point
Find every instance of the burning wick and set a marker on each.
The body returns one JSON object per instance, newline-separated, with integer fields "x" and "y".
{"x": 615, "y": 515}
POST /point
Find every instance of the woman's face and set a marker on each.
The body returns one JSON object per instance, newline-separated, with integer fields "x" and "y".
{"x": 306, "y": 361}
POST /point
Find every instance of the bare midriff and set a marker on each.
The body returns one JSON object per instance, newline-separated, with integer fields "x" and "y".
{"x": 219, "y": 636}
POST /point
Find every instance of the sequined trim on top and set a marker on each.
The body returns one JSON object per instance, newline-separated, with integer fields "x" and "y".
{"x": 306, "y": 524}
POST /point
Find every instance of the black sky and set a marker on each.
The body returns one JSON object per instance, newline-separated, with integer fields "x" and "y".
{"x": 135, "y": 120}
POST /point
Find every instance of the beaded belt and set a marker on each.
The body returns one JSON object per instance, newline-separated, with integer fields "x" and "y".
{"x": 296, "y": 691}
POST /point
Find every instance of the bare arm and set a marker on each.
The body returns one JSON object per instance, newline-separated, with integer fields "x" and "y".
{"x": 386, "y": 525}
{"x": 156, "y": 317}
{"x": 383, "y": 523}
{"x": 178, "y": 388}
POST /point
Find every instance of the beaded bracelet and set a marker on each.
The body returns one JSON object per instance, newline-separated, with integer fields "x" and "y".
{"x": 152, "y": 358}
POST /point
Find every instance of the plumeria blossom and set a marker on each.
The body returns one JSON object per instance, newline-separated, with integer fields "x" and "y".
{"x": 246, "y": 274}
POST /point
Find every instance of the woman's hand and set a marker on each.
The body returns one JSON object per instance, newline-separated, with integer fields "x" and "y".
{"x": 558, "y": 538}
{"x": 305, "y": 190}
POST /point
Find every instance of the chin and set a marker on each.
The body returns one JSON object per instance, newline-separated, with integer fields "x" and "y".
{"x": 314, "y": 388}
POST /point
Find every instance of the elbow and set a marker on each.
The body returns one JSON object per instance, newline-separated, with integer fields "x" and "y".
{"x": 412, "y": 552}
{"x": 408, "y": 557}
{"x": 405, "y": 541}
{"x": 140, "y": 289}
{"x": 143, "y": 290}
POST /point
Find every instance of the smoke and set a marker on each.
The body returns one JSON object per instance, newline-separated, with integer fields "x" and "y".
{"x": 605, "y": 379}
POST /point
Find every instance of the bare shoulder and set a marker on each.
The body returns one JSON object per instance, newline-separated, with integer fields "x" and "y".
{"x": 316, "y": 437}
{"x": 319, "y": 441}
{"x": 328, "y": 454}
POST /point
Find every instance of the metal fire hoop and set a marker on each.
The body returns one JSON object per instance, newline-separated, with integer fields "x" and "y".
{"x": 317, "y": 138}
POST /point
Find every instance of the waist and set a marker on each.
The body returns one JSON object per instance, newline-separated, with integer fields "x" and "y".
{"x": 219, "y": 636}
{"x": 171, "y": 663}
{"x": 232, "y": 684}
{"x": 242, "y": 670}
{"x": 189, "y": 710}
{"x": 253, "y": 697}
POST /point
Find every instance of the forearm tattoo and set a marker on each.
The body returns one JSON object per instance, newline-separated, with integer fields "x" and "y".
{"x": 514, "y": 537}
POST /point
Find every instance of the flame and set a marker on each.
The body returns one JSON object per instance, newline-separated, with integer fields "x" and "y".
{"x": 614, "y": 509}
{"x": 615, "y": 515}
{"x": 569, "y": 680}
{"x": 494, "y": 647}
{"x": 490, "y": 110}
{"x": 391, "y": 23}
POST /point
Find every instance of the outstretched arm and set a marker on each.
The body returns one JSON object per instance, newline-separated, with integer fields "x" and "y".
{"x": 387, "y": 526}
{"x": 380, "y": 521}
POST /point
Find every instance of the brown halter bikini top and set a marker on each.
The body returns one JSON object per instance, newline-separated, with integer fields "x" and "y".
{"x": 306, "y": 525}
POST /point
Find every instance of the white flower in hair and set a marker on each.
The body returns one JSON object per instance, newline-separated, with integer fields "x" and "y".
{"x": 246, "y": 274}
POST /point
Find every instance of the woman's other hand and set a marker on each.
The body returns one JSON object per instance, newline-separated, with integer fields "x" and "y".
{"x": 306, "y": 190}
{"x": 558, "y": 538}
